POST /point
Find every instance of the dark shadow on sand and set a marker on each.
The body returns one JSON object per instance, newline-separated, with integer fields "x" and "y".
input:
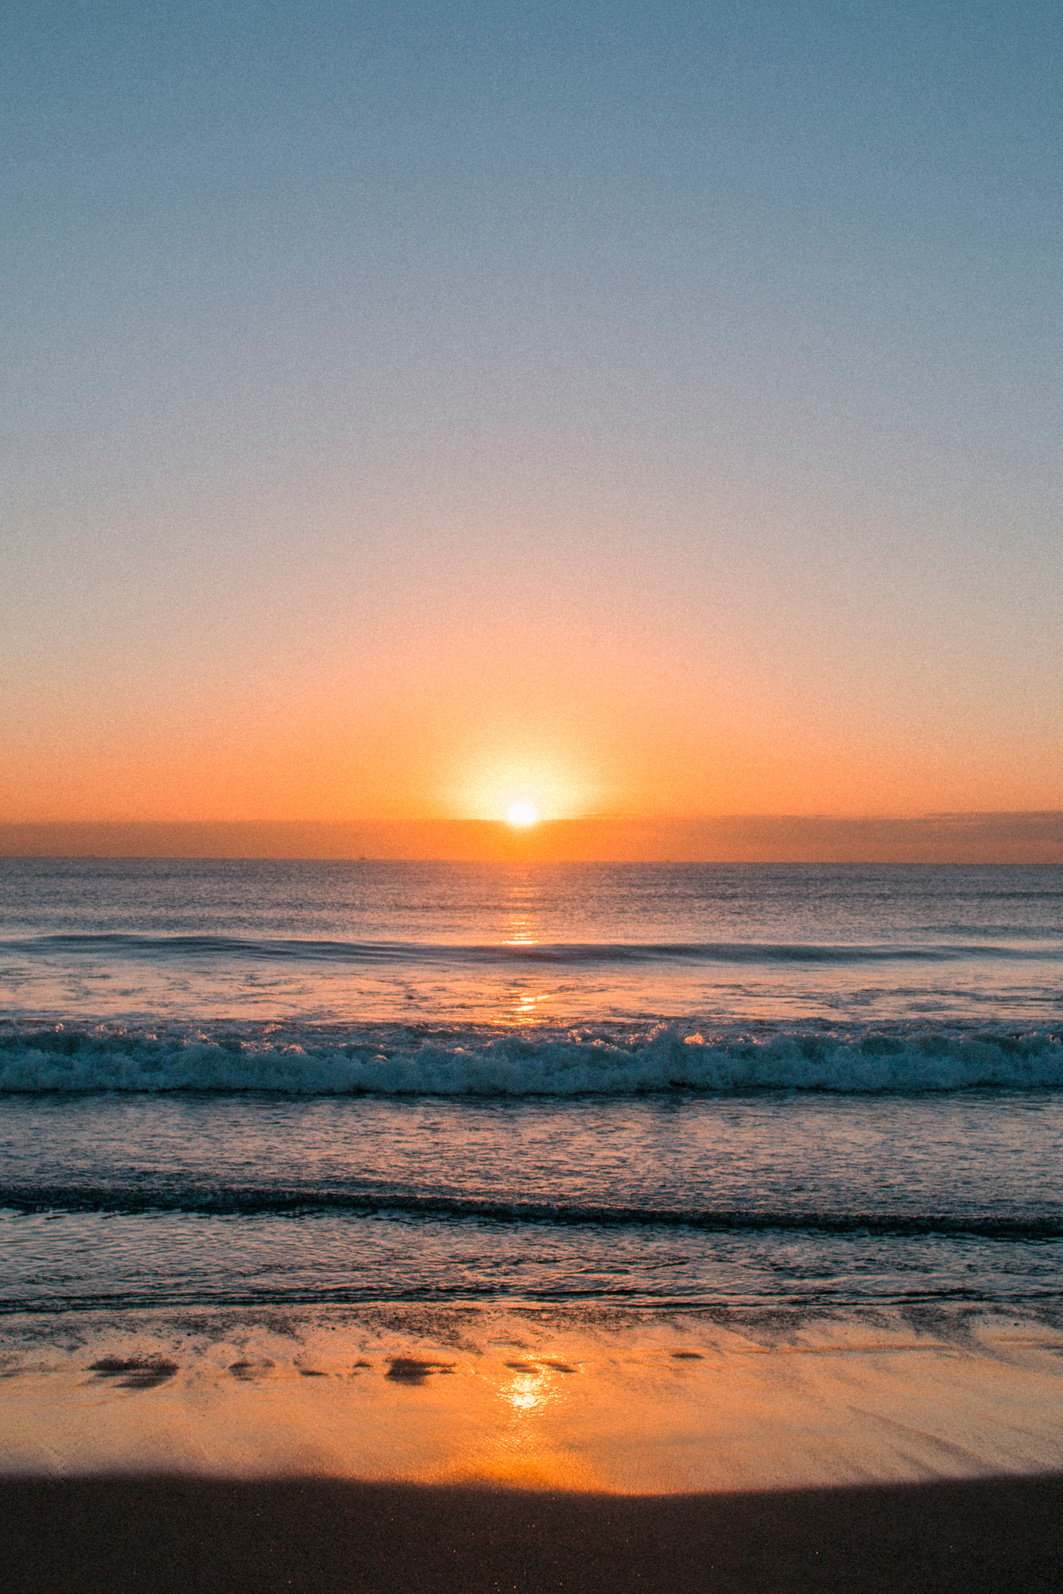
{"x": 179, "y": 1535}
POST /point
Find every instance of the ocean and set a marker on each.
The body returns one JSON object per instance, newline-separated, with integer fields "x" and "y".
{"x": 708, "y": 1088}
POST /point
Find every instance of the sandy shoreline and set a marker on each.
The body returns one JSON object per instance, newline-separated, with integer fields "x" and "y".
{"x": 181, "y": 1535}
{"x": 592, "y": 1402}
{"x": 519, "y": 1452}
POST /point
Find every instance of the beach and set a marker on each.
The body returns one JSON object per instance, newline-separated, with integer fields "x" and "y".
{"x": 534, "y": 1451}
{"x": 437, "y": 1228}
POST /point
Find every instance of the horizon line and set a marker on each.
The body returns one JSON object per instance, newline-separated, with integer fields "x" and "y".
{"x": 1023, "y": 836}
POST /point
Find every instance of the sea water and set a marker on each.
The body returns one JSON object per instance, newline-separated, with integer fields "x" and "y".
{"x": 297, "y": 1085}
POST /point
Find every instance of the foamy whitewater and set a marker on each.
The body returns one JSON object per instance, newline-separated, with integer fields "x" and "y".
{"x": 701, "y": 1086}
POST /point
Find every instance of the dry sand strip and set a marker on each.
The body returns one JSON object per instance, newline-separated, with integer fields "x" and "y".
{"x": 184, "y": 1535}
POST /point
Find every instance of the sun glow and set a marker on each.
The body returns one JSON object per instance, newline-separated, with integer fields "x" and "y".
{"x": 522, "y": 790}
{"x": 522, "y": 813}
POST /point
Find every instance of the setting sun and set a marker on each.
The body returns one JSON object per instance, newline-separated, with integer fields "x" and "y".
{"x": 523, "y": 787}
{"x": 522, "y": 814}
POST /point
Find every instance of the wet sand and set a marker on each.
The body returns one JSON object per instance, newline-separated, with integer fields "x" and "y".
{"x": 620, "y": 1403}
{"x": 180, "y": 1535}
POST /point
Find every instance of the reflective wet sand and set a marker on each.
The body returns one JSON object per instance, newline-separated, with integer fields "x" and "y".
{"x": 622, "y": 1403}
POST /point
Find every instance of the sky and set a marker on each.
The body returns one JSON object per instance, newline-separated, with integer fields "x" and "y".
{"x": 641, "y": 410}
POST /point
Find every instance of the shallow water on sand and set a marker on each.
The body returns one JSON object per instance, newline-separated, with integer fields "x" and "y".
{"x": 595, "y": 1399}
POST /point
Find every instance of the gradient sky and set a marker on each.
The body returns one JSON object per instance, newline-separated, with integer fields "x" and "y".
{"x": 654, "y": 408}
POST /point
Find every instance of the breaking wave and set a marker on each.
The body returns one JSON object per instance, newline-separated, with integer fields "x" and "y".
{"x": 401, "y": 1060}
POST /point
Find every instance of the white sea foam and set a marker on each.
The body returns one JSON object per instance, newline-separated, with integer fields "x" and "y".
{"x": 549, "y": 1063}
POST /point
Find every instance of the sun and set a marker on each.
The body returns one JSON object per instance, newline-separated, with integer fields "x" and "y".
{"x": 521, "y": 814}
{"x": 521, "y": 789}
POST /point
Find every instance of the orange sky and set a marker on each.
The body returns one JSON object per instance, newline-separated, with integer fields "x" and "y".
{"x": 595, "y": 722}
{"x": 647, "y": 687}
{"x": 258, "y": 702}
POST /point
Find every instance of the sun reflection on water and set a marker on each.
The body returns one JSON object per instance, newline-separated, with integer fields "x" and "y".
{"x": 522, "y": 912}
{"x": 522, "y": 927}
{"x": 529, "y": 1391}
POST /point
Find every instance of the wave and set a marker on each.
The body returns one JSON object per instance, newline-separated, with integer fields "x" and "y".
{"x": 272, "y": 949}
{"x": 268, "y": 1200}
{"x": 403, "y": 1061}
